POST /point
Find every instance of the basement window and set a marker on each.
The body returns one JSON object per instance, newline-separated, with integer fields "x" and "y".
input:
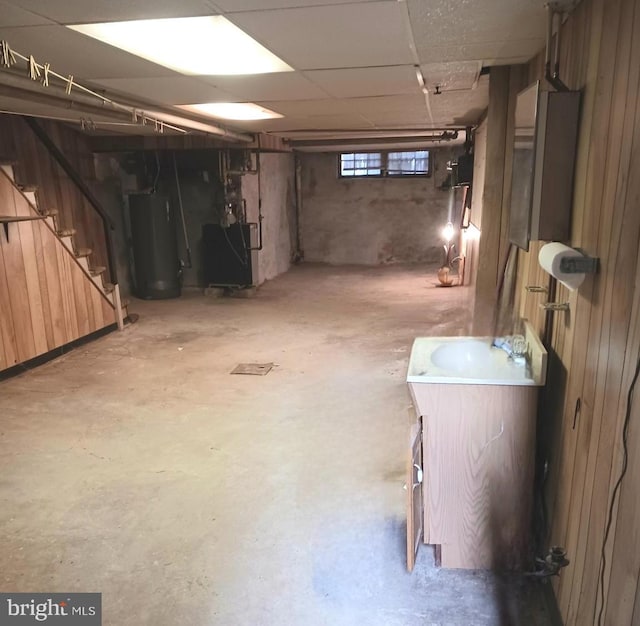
{"x": 385, "y": 164}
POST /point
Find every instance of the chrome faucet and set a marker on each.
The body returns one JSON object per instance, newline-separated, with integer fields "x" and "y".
{"x": 515, "y": 346}
{"x": 519, "y": 347}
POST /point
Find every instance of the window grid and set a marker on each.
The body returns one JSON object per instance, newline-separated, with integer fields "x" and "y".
{"x": 361, "y": 164}
{"x": 385, "y": 164}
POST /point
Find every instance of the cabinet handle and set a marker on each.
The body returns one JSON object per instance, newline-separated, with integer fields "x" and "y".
{"x": 419, "y": 475}
{"x": 419, "y": 478}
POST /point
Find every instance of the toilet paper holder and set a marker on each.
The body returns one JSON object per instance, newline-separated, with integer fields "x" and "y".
{"x": 580, "y": 264}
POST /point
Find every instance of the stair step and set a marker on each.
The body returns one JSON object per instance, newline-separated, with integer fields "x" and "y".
{"x": 96, "y": 271}
{"x": 50, "y": 212}
{"x": 30, "y": 196}
{"x": 7, "y": 168}
{"x": 66, "y": 232}
{"x": 27, "y": 188}
{"x": 108, "y": 287}
{"x": 83, "y": 252}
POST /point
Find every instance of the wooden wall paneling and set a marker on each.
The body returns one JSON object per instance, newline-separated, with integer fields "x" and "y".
{"x": 83, "y": 305}
{"x": 3, "y": 358}
{"x": 85, "y": 220}
{"x": 32, "y": 279}
{"x": 80, "y": 218}
{"x": 517, "y": 82}
{"x": 623, "y": 253}
{"x": 7, "y": 341}
{"x": 68, "y": 300}
{"x": 577, "y": 71}
{"x": 41, "y": 261}
{"x": 600, "y": 390}
{"x": 17, "y": 290}
{"x": 626, "y": 255}
{"x": 96, "y": 302}
{"x": 563, "y": 465}
{"x": 536, "y": 68}
{"x": 592, "y": 340}
{"x": 623, "y": 564}
{"x": 564, "y": 447}
{"x": 9, "y": 347}
{"x": 57, "y": 176}
{"x": 94, "y": 309}
{"x": 109, "y": 314}
{"x": 489, "y": 247}
{"x": 593, "y": 140}
{"x": 636, "y": 609}
{"x": 7, "y": 332}
{"x": 50, "y": 275}
{"x": 561, "y": 469}
{"x": 31, "y": 169}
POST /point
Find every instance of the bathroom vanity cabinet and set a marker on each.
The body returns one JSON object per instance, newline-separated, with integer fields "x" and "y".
{"x": 471, "y": 459}
{"x": 473, "y": 448}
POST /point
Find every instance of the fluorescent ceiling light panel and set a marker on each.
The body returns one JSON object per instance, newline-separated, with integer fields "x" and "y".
{"x": 191, "y": 45}
{"x": 232, "y": 110}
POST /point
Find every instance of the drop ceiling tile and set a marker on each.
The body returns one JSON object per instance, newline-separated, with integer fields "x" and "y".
{"x": 388, "y": 103}
{"x": 415, "y": 119}
{"x": 69, "y": 52}
{"x": 456, "y": 75}
{"x": 346, "y": 35}
{"x": 344, "y": 121}
{"x": 83, "y": 11}
{"x": 367, "y": 81}
{"x": 11, "y": 15}
{"x": 164, "y": 89}
{"x": 393, "y": 111}
{"x": 305, "y": 108}
{"x": 263, "y": 5}
{"x": 267, "y": 87}
{"x": 461, "y": 107}
{"x": 494, "y": 53}
{"x": 442, "y": 22}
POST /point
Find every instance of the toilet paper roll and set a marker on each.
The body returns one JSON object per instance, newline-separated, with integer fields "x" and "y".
{"x": 549, "y": 258}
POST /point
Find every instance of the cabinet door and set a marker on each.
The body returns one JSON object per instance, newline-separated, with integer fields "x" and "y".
{"x": 415, "y": 519}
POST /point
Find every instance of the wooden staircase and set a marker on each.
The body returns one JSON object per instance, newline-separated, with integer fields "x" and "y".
{"x": 65, "y": 235}
{"x": 51, "y": 293}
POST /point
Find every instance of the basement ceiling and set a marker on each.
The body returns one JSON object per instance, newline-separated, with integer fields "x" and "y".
{"x": 357, "y": 63}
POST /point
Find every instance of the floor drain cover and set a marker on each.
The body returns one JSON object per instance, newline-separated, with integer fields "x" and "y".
{"x": 253, "y": 369}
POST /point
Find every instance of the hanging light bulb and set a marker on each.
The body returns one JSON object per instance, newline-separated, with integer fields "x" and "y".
{"x": 448, "y": 232}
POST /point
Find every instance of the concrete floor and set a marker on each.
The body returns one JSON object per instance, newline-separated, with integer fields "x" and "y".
{"x": 136, "y": 466}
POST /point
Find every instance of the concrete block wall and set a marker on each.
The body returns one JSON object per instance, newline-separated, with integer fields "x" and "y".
{"x": 371, "y": 221}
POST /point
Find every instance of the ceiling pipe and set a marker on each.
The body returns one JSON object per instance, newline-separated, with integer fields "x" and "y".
{"x": 553, "y": 76}
{"x": 387, "y": 136}
{"x": 16, "y": 85}
{"x": 443, "y": 138}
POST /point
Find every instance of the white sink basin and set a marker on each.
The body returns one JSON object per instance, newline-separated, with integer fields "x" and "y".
{"x": 474, "y": 361}
{"x": 460, "y": 356}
